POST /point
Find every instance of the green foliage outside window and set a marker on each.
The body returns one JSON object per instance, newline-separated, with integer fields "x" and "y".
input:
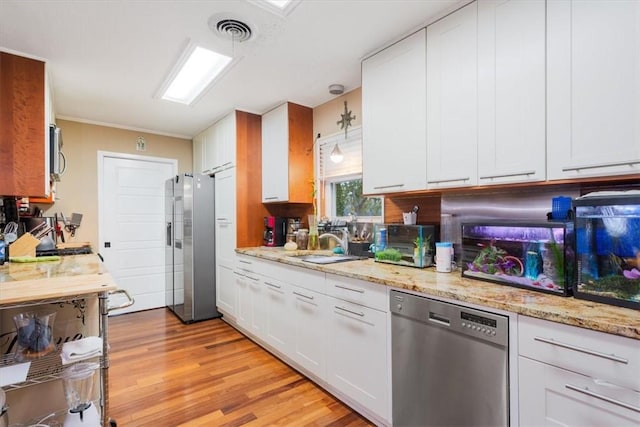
{"x": 349, "y": 200}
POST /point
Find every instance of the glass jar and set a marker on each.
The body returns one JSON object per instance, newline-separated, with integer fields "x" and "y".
{"x": 302, "y": 238}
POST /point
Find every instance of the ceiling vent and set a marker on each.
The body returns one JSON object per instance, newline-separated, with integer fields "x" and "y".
{"x": 231, "y": 29}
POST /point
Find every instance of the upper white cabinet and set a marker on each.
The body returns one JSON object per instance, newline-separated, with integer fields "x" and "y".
{"x": 214, "y": 149}
{"x": 593, "y": 88}
{"x": 511, "y": 91}
{"x": 452, "y": 100}
{"x": 287, "y": 154}
{"x": 393, "y": 118}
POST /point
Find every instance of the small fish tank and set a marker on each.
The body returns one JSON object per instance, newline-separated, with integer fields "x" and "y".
{"x": 608, "y": 248}
{"x": 408, "y": 245}
{"x": 536, "y": 255}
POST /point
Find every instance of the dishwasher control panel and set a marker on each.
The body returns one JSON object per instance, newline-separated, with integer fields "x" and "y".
{"x": 481, "y": 324}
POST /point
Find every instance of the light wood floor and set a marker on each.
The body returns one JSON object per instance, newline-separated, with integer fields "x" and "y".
{"x": 165, "y": 373}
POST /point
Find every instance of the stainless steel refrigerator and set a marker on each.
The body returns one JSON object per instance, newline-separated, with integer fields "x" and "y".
{"x": 190, "y": 276}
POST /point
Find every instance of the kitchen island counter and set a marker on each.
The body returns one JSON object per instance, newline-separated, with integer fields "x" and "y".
{"x": 567, "y": 310}
{"x": 72, "y": 275}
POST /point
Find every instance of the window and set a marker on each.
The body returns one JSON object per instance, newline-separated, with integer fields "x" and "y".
{"x": 340, "y": 184}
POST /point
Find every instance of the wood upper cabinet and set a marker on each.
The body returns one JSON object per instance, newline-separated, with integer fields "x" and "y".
{"x": 24, "y": 127}
{"x": 287, "y": 154}
{"x": 511, "y": 91}
{"x": 452, "y": 100}
{"x": 394, "y": 102}
{"x": 593, "y": 88}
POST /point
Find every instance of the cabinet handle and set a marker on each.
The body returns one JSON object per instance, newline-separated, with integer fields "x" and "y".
{"x": 226, "y": 164}
{"x": 244, "y": 261}
{"x": 255, "y": 279}
{"x": 357, "y": 313}
{"x": 602, "y": 397}
{"x": 303, "y": 295}
{"x": 380, "y": 187}
{"x": 360, "y": 291}
{"x": 582, "y": 350}
{"x": 238, "y": 274}
{"x": 271, "y": 198}
{"x": 600, "y": 165}
{"x": 449, "y": 180}
{"x": 272, "y": 285}
{"x": 506, "y": 175}
{"x": 222, "y": 219}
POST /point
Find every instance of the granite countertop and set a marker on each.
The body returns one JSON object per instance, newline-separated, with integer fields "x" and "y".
{"x": 70, "y": 276}
{"x": 567, "y": 310}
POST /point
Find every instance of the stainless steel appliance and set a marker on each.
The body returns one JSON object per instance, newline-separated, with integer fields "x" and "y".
{"x": 58, "y": 162}
{"x": 450, "y": 364}
{"x": 190, "y": 276}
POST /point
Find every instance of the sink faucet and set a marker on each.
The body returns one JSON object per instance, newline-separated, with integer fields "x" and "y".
{"x": 344, "y": 242}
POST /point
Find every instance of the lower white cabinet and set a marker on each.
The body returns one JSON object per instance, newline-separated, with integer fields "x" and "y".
{"x": 309, "y": 330}
{"x": 357, "y": 363}
{"x": 278, "y": 325}
{"x": 554, "y": 396}
{"x": 225, "y": 289}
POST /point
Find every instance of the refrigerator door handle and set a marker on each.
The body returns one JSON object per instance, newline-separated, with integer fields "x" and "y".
{"x": 168, "y": 233}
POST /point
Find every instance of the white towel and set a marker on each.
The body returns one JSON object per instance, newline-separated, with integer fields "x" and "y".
{"x": 81, "y": 349}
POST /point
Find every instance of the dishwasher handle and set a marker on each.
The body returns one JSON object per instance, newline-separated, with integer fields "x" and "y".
{"x": 439, "y": 319}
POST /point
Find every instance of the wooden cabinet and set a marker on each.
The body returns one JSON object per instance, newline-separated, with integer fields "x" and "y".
{"x": 358, "y": 363}
{"x": 576, "y": 377}
{"x": 287, "y": 154}
{"x": 511, "y": 91}
{"x": 593, "y": 88}
{"x": 452, "y": 100}
{"x": 394, "y": 99}
{"x": 24, "y": 127}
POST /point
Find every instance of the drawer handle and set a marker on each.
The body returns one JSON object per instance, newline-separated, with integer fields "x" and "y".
{"x": 360, "y": 291}
{"x": 244, "y": 261}
{"x": 272, "y": 285}
{"x": 255, "y": 279}
{"x": 303, "y": 295}
{"x": 602, "y": 397}
{"x": 381, "y": 187}
{"x": 238, "y": 274}
{"x": 357, "y": 313}
{"x": 272, "y": 198}
{"x": 582, "y": 350}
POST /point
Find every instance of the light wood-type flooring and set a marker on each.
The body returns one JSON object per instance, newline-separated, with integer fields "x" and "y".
{"x": 165, "y": 373}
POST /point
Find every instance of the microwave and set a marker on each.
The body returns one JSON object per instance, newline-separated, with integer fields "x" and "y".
{"x": 57, "y": 161}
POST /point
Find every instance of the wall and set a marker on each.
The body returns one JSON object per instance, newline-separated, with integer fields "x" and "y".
{"x": 77, "y": 191}
{"x": 326, "y": 115}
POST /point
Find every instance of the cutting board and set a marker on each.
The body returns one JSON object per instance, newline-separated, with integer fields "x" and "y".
{"x": 72, "y": 245}
{"x": 24, "y": 246}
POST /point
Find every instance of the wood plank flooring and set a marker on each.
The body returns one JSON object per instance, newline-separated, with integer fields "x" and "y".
{"x": 165, "y": 373}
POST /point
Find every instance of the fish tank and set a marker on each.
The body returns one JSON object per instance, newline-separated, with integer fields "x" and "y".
{"x": 408, "y": 245}
{"x": 537, "y": 255}
{"x": 608, "y": 248}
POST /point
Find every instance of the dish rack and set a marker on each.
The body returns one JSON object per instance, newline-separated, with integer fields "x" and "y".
{"x": 49, "y": 367}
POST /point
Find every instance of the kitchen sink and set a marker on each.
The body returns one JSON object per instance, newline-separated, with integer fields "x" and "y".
{"x": 327, "y": 259}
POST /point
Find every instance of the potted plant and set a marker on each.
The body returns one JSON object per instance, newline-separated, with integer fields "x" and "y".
{"x": 422, "y": 256}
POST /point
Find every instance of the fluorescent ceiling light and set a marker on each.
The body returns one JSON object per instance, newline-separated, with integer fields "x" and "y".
{"x": 195, "y": 71}
{"x": 278, "y": 7}
{"x": 281, "y": 4}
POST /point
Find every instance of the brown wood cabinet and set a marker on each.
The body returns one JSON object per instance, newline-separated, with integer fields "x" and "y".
{"x": 23, "y": 136}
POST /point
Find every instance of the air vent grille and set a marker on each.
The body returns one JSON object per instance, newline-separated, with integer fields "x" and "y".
{"x": 233, "y": 29}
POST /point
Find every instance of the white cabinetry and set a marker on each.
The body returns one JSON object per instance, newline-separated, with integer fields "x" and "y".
{"x": 511, "y": 91}
{"x": 225, "y": 202}
{"x": 278, "y": 326}
{"x": 199, "y": 152}
{"x": 358, "y": 363}
{"x": 393, "y": 118}
{"x": 214, "y": 149}
{"x": 576, "y": 377}
{"x": 593, "y": 88}
{"x": 309, "y": 330}
{"x": 452, "y": 100}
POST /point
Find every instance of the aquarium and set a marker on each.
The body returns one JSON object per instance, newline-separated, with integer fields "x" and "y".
{"x": 410, "y": 245}
{"x": 532, "y": 255}
{"x": 608, "y": 249}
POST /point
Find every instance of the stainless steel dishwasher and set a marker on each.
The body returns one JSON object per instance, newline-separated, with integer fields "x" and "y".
{"x": 450, "y": 364}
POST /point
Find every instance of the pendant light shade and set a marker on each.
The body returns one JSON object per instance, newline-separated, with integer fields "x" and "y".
{"x": 336, "y": 155}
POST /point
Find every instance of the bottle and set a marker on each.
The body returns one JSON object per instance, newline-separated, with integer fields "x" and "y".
{"x": 3, "y": 249}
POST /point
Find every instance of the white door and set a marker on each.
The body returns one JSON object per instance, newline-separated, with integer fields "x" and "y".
{"x": 132, "y": 224}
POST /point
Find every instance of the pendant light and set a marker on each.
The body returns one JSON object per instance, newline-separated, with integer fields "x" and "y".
{"x": 336, "y": 155}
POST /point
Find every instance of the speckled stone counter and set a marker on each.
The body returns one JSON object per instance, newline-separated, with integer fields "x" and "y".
{"x": 567, "y": 310}
{"x": 71, "y": 275}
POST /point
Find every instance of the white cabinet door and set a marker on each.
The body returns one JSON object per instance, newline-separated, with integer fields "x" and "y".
{"x": 357, "y": 363}
{"x": 279, "y": 328}
{"x": 225, "y": 214}
{"x": 198, "y": 153}
{"x": 452, "y": 100}
{"x": 393, "y": 118}
{"x": 258, "y": 317}
{"x": 551, "y": 396}
{"x": 275, "y": 155}
{"x": 511, "y": 91}
{"x": 210, "y": 149}
{"x": 593, "y": 88}
{"x": 309, "y": 330}
{"x": 243, "y": 296}
{"x": 226, "y": 141}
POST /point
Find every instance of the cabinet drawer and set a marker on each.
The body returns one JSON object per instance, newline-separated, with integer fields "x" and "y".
{"x": 358, "y": 292}
{"x": 596, "y": 354}
{"x": 298, "y": 276}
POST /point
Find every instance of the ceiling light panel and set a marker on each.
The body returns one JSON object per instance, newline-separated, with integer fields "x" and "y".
{"x": 279, "y": 7}
{"x": 195, "y": 72}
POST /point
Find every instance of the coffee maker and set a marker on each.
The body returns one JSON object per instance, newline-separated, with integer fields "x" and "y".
{"x": 275, "y": 231}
